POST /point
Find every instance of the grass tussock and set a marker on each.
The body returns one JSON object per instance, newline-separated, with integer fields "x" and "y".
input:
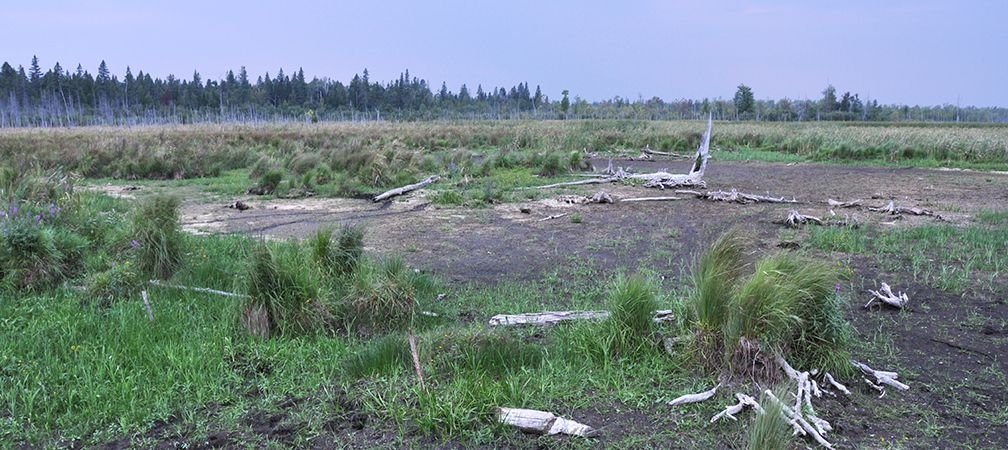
{"x": 157, "y": 238}
{"x": 770, "y": 430}
{"x": 713, "y": 280}
{"x": 383, "y": 355}
{"x": 628, "y": 330}
{"x": 283, "y": 295}
{"x": 381, "y": 296}
{"x": 340, "y": 256}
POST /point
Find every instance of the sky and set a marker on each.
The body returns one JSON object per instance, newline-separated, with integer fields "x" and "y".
{"x": 908, "y": 52}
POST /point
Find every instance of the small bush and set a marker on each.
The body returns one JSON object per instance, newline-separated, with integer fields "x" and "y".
{"x": 551, "y": 164}
{"x": 30, "y": 257}
{"x": 447, "y": 197}
{"x": 158, "y": 239}
{"x": 270, "y": 181}
{"x": 576, "y": 218}
{"x": 283, "y": 297}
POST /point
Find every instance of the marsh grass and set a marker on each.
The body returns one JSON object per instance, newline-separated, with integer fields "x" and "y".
{"x": 158, "y": 239}
{"x": 714, "y": 277}
{"x": 380, "y": 356}
{"x": 381, "y": 296}
{"x": 770, "y": 430}
{"x": 340, "y": 256}
{"x": 283, "y": 295}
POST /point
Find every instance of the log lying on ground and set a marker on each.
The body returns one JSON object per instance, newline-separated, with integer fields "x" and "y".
{"x": 795, "y": 219}
{"x": 555, "y": 317}
{"x": 891, "y": 208}
{"x": 554, "y": 216}
{"x": 798, "y": 421}
{"x": 881, "y": 376}
{"x": 647, "y": 150}
{"x": 885, "y": 294}
{"x": 203, "y": 290}
{"x": 836, "y": 384}
{"x": 735, "y": 196}
{"x": 847, "y": 204}
{"x": 542, "y": 422}
{"x": 743, "y": 401}
{"x": 611, "y": 179}
{"x": 408, "y": 188}
{"x": 598, "y": 197}
{"x": 649, "y": 199}
{"x": 694, "y": 398}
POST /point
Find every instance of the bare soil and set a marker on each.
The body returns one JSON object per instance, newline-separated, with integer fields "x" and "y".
{"x": 951, "y": 348}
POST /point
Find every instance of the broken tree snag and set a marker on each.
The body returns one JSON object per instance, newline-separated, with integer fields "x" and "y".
{"x": 795, "y": 219}
{"x": 847, "y": 204}
{"x": 731, "y": 410}
{"x": 542, "y": 422}
{"x": 800, "y": 424}
{"x": 881, "y": 376}
{"x": 408, "y": 188}
{"x": 885, "y": 294}
{"x": 555, "y": 317}
{"x": 694, "y": 398}
{"x": 650, "y": 199}
{"x": 742, "y": 197}
{"x": 891, "y": 208}
{"x": 694, "y": 178}
{"x": 147, "y": 306}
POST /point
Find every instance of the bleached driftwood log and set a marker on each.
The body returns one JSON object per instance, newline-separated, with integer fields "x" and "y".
{"x": 739, "y": 197}
{"x": 881, "y": 376}
{"x": 847, "y": 204}
{"x": 554, "y": 317}
{"x": 743, "y": 401}
{"x": 694, "y": 398}
{"x": 611, "y": 179}
{"x": 885, "y": 294}
{"x": 891, "y": 208}
{"x": 649, "y": 199}
{"x": 795, "y": 219}
{"x": 416, "y": 358}
{"x": 694, "y": 178}
{"x": 542, "y": 422}
{"x": 601, "y": 197}
{"x": 408, "y": 188}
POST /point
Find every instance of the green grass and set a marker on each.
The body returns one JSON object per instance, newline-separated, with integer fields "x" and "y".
{"x": 838, "y": 239}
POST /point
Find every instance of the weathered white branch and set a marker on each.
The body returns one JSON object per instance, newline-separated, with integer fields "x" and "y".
{"x": 554, "y": 216}
{"x": 836, "y": 384}
{"x": 881, "y": 376}
{"x": 611, "y": 179}
{"x": 695, "y": 398}
{"x": 891, "y": 208}
{"x": 408, "y": 188}
{"x": 886, "y": 295}
{"x": 797, "y": 419}
{"x": 649, "y": 199}
{"x": 740, "y": 197}
{"x": 147, "y": 305}
{"x": 648, "y": 151}
{"x": 743, "y": 401}
{"x": 847, "y": 204}
{"x": 554, "y": 317}
{"x": 203, "y": 290}
{"x": 416, "y": 358}
{"x": 542, "y": 422}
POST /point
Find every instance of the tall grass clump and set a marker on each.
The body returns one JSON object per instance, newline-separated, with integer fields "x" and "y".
{"x": 283, "y": 295}
{"x": 628, "y": 330}
{"x": 769, "y": 430}
{"x": 775, "y": 312}
{"x": 381, "y": 356}
{"x": 714, "y": 278}
{"x": 341, "y": 256}
{"x": 157, "y": 236}
{"x": 381, "y": 296}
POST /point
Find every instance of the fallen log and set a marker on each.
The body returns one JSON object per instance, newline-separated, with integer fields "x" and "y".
{"x": 694, "y": 398}
{"x": 542, "y": 422}
{"x": 416, "y": 359}
{"x": 554, "y": 216}
{"x": 202, "y": 290}
{"x": 648, "y": 151}
{"x": 404, "y": 189}
{"x": 611, "y": 179}
{"x": 881, "y": 376}
{"x": 837, "y": 385}
{"x": 847, "y": 204}
{"x": 891, "y": 208}
{"x": 742, "y": 197}
{"x": 885, "y": 294}
{"x": 555, "y": 317}
{"x": 649, "y": 199}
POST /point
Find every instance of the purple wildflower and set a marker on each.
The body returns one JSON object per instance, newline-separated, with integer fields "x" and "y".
{"x": 836, "y": 288}
{"x": 53, "y": 210}
{"x": 38, "y": 218}
{"x": 12, "y": 210}
{"x": 134, "y": 244}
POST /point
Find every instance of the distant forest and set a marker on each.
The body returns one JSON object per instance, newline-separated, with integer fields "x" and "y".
{"x": 61, "y": 97}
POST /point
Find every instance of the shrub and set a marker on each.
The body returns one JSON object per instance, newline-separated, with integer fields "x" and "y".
{"x": 283, "y": 297}
{"x": 121, "y": 281}
{"x": 551, "y": 164}
{"x": 269, "y": 182}
{"x": 30, "y": 257}
{"x": 157, "y": 237}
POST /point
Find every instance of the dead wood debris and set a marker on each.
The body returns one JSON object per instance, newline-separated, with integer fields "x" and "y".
{"x": 647, "y": 151}
{"x": 796, "y": 219}
{"x": 736, "y": 197}
{"x": 848, "y": 204}
{"x": 881, "y": 377}
{"x": 542, "y": 422}
{"x": 404, "y": 189}
{"x": 650, "y": 199}
{"x": 554, "y": 317}
{"x": 554, "y": 216}
{"x": 891, "y": 208}
{"x": 886, "y": 295}
{"x": 743, "y": 401}
{"x": 694, "y": 398}
{"x": 240, "y": 206}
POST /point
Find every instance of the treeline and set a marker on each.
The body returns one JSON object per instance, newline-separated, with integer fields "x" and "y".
{"x": 61, "y": 97}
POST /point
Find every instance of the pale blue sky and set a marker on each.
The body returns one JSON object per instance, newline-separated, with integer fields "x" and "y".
{"x": 916, "y": 52}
